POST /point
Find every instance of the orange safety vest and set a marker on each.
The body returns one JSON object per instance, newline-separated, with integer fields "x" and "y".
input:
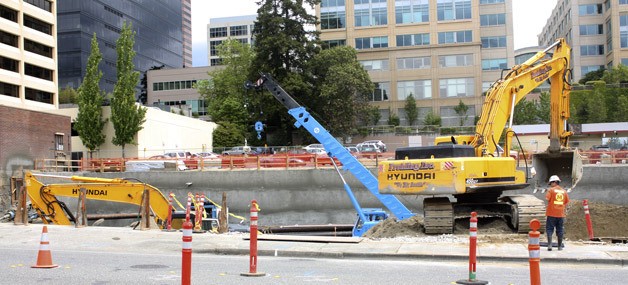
{"x": 557, "y": 200}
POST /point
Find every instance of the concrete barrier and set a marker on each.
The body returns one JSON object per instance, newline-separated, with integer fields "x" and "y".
{"x": 316, "y": 196}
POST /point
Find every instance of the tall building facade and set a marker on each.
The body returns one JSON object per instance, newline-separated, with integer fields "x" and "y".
{"x": 597, "y": 31}
{"x": 28, "y": 54}
{"x": 186, "y": 7}
{"x": 440, "y": 51}
{"x": 158, "y": 38}
{"x": 220, "y": 29}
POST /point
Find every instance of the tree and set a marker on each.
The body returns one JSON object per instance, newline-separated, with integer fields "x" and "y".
{"x": 526, "y": 113}
{"x": 228, "y": 134}
{"x": 89, "y": 122}
{"x": 342, "y": 87}
{"x": 461, "y": 111}
{"x": 544, "y": 108}
{"x": 68, "y": 95}
{"x": 393, "y": 119}
{"x": 592, "y": 76}
{"x": 432, "y": 120}
{"x": 126, "y": 116}
{"x": 373, "y": 115}
{"x": 617, "y": 74}
{"x": 412, "y": 113}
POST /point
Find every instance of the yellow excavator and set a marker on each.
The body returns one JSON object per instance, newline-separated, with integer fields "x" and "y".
{"x": 53, "y": 211}
{"x": 472, "y": 168}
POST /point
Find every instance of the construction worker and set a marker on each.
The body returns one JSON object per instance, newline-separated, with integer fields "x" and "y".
{"x": 557, "y": 200}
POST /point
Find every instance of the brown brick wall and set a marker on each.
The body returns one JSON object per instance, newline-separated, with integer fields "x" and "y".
{"x": 25, "y": 136}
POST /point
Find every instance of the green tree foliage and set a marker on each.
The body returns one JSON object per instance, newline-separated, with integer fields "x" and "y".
{"x": 618, "y": 74}
{"x": 432, "y": 119}
{"x": 283, "y": 41}
{"x": 373, "y": 115}
{"x": 342, "y": 86}
{"x": 126, "y": 116}
{"x": 544, "y": 108}
{"x": 68, "y": 95}
{"x": 89, "y": 122}
{"x": 461, "y": 111}
{"x": 393, "y": 119}
{"x": 526, "y": 113}
{"x": 412, "y": 112}
{"x": 228, "y": 134}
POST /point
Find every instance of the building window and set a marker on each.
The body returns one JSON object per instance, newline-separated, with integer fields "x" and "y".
{"x": 215, "y": 61}
{"x": 8, "y": 13}
{"x": 9, "y": 64}
{"x": 375, "y": 65}
{"x": 455, "y": 37}
{"x": 9, "y": 90}
{"x": 36, "y": 71}
{"x": 8, "y": 39}
{"x": 370, "y": 13}
{"x": 623, "y": 30}
{"x": 113, "y": 11}
{"x": 335, "y": 43}
{"x": 238, "y": 31}
{"x": 621, "y": 2}
{"x": 37, "y": 25}
{"x": 453, "y": 9}
{"x": 482, "y": 2}
{"x": 420, "y": 89}
{"x": 58, "y": 142}
{"x": 494, "y": 64}
{"x": 591, "y": 50}
{"x": 494, "y": 42}
{"x": 414, "y": 62}
{"x": 492, "y": 20}
{"x": 412, "y": 11}
{"x": 457, "y": 87}
{"x": 41, "y": 4}
{"x": 590, "y": 9}
{"x": 413, "y": 40}
{"x": 381, "y": 91}
{"x": 37, "y": 48}
{"x": 455, "y": 60}
{"x": 450, "y": 118}
{"x": 333, "y": 15}
{"x": 624, "y": 61}
{"x": 375, "y": 42}
{"x": 586, "y": 69}
{"x": 213, "y": 47}
{"x": 595, "y": 29}
{"x": 38, "y": 95}
{"x": 220, "y": 32}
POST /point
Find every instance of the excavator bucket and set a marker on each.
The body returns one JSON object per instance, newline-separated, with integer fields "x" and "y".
{"x": 566, "y": 164}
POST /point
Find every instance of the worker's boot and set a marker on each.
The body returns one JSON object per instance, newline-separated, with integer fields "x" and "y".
{"x": 549, "y": 243}
{"x": 560, "y": 243}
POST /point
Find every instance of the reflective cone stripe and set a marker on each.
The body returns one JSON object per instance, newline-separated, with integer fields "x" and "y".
{"x": 186, "y": 254}
{"x": 44, "y": 257}
{"x": 535, "y": 252}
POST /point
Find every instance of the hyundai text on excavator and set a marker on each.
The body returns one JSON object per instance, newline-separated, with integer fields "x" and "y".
{"x": 52, "y": 211}
{"x": 470, "y": 168}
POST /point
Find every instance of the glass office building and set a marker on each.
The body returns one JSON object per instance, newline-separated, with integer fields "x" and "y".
{"x": 158, "y": 38}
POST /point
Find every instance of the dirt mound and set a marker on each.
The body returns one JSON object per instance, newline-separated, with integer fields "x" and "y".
{"x": 606, "y": 219}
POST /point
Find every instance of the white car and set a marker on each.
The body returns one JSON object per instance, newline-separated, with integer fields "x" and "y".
{"x": 380, "y": 145}
{"x": 315, "y": 148}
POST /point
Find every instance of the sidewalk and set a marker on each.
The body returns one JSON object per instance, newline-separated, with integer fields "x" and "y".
{"x": 430, "y": 248}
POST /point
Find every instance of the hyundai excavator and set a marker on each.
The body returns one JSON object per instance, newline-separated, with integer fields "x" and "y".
{"x": 471, "y": 168}
{"x": 53, "y": 211}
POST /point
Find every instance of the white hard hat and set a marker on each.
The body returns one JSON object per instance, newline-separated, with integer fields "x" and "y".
{"x": 554, "y": 178}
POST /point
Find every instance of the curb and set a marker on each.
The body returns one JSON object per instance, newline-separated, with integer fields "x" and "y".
{"x": 391, "y": 256}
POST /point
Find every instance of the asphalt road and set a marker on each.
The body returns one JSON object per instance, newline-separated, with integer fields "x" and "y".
{"x": 109, "y": 267}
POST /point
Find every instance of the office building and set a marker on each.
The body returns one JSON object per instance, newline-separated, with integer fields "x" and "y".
{"x": 595, "y": 30}
{"x": 220, "y": 29}
{"x": 440, "y": 51}
{"x": 158, "y": 27}
{"x": 186, "y": 6}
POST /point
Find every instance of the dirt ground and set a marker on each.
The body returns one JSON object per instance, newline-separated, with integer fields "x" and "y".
{"x": 607, "y": 219}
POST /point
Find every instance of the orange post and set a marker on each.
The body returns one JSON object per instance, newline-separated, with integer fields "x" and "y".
{"x": 44, "y": 258}
{"x": 186, "y": 251}
{"x": 585, "y": 203}
{"x": 253, "y": 243}
{"x": 535, "y": 252}
{"x": 473, "y": 238}
{"x": 169, "y": 219}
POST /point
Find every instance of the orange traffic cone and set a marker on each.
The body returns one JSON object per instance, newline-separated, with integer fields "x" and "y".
{"x": 44, "y": 258}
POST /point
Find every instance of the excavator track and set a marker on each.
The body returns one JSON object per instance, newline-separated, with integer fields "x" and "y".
{"x": 438, "y": 216}
{"x": 525, "y": 208}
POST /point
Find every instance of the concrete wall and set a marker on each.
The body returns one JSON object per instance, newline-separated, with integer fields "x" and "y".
{"x": 288, "y": 197}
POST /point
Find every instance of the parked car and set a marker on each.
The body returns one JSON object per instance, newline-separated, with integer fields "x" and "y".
{"x": 369, "y": 150}
{"x": 315, "y": 148}
{"x": 237, "y": 150}
{"x": 178, "y": 154}
{"x": 279, "y": 160}
{"x": 353, "y": 149}
{"x": 380, "y": 145}
{"x": 206, "y": 155}
{"x": 601, "y": 148}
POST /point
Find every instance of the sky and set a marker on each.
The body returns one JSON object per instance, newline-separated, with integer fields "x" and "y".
{"x": 529, "y": 17}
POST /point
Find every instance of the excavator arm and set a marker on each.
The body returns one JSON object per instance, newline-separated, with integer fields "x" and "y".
{"x": 505, "y": 93}
{"x": 44, "y": 196}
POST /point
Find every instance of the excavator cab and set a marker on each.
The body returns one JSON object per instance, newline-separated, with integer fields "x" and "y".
{"x": 566, "y": 164}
